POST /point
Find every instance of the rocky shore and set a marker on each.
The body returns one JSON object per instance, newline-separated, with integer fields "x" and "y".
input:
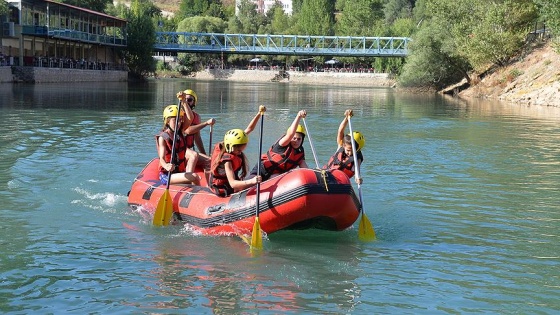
{"x": 532, "y": 79}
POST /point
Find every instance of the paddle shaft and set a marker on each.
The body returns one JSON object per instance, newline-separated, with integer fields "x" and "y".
{"x": 356, "y": 161}
{"x": 210, "y": 141}
{"x": 173, "y": 143}
{"x": 259, "y": 163}
{"x": 311, "y": 144}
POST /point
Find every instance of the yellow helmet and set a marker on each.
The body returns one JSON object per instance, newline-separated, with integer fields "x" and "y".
{"x": 360, "y": 140}
{"x": 191, "y": 92}
{"x": 234, "y": 137}
{"x": 299, "y": 129}
{"x": 171, "y": 111}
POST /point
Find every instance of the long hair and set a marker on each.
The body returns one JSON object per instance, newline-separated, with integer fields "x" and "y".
{"x": 216, "y": 160}
{"x": 166, "y": 124}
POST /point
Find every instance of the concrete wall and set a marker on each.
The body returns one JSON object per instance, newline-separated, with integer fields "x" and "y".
{"x": 54, "y": 75}
{"x": 334, "y": 78}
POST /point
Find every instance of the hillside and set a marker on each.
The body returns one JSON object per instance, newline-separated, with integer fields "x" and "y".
{"x": 172, "y": 6}
{"x": 532, "y": 79}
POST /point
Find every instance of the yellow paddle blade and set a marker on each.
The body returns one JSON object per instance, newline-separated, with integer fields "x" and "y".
{"x": 256, "y": 238}
{"x": 365, "y": 229}
{"x": 164, "y": 210}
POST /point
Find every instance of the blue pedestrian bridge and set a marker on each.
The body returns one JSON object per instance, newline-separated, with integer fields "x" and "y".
{"x": 297, "y": 45}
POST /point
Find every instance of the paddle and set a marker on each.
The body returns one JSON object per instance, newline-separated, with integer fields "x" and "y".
{"x": 210, "y": 140}
{"x": 311, "y": 144}
{"x": 164, "y": 209}
{"x": 256, "y": 236}
{"x": 323, "y": 172}
{"x": 207, "y": 171}
{"x": 365, "y": 229}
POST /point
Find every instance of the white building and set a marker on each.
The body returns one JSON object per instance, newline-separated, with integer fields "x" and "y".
{"x": 264, "y": 5}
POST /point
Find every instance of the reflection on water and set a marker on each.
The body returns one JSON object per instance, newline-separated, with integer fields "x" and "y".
{"x": 462, "y": 195}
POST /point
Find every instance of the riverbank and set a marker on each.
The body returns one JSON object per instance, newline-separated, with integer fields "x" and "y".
{"x": 532, "y": 79}
{"x": 323, "y": 78}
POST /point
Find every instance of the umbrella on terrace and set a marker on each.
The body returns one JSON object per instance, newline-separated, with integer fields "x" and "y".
{"x": 255, "y": 60}
{"x": 331, "y": 62}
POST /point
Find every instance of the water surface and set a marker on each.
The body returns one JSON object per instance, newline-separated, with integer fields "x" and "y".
{"x": 463, "y": 197}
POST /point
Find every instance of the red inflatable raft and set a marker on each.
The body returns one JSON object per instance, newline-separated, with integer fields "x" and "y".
{"x": 298, "y": 199}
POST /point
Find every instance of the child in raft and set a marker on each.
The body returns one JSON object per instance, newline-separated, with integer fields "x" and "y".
{"x": 343, "y": 158}
{"x": 180, "y": 168}
{"x": 229, "y": 164}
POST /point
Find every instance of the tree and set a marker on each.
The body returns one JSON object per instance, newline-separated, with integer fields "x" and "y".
{"x": 3, "y": 7}
{"x": 497, "y": 34}
{"x": 188, "y": 8}
{"x": 483, "y": 32}
{"x": 247, "y": 21}
{"x": 198, "y": 24}
{"x": 359, "y": 17}
{"x": 395, "y": 9}
{"x": 141, "y": 39}
{"x": 279, "y": 20}
{"x": 95, "y": 5}
{"x": 202, "y": 24}
{"x": 429, "y": 64}
{"x": 316, "y": 17}
{"x": 550, "y": 13}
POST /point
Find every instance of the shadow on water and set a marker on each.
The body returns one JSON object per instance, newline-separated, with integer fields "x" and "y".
{"x": 112, "y": 96}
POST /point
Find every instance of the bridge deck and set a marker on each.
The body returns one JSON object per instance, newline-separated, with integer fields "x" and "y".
{"x": 257, "y": 44}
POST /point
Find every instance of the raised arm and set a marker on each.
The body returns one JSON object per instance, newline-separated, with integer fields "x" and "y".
{"x": 340, "y": 135}
{"x": 292, "y": 130}
{"x": 253, "y": 123}
{"x": 189, "y": 113}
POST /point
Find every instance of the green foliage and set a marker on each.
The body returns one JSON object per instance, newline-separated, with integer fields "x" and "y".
{"x": 162, "y": 24}
{"x": 189, "y": 8}
{"x": 3, "y": 7}
{"x": 247, "y": 20}
{"x": 359, "y": 17}
{"x": 203, "y": 24}
{"x": 316, "y": 18}
{"x": 296, "y": 6}
{"x": 397, "y": 9}
{"x": 95, "y": 5}
{"x": 498, "y": 34}
{"x": 430, "y": 64}
{"x": 550, "y": 13}
{"x": 459, "y": 36}
{"x": 162, "y": 66}
{"x": 279, "y": 21}
{"x": 141, "y": 39}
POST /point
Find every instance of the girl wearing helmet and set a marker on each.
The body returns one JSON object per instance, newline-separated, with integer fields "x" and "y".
{"x": 229, "y": 164}
{"x": 181, "y": 166}
{"x": 189, "y": 100}
{"x": 342, "y": 159}
{"x": 287, "y": 153}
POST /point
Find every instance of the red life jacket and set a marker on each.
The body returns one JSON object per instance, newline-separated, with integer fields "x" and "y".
{"x": 180, "y": 149}
{"x": 220, "y": 184}
{"x": 343, "y": 162}
{"x": 190, "y": 138}
{"x": 281, "y": 159}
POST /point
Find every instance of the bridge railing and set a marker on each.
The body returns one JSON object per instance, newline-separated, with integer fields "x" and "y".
{"x": 264, "y": 44}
